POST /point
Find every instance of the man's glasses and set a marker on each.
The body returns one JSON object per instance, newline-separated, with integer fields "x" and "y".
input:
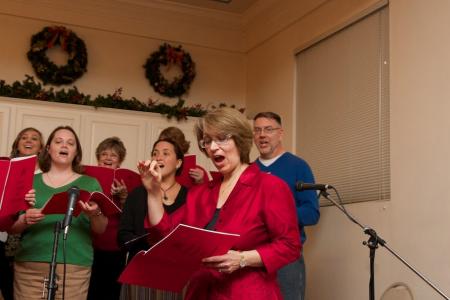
{"x": 267, "y": 130}
{"x": 219, "y": 141}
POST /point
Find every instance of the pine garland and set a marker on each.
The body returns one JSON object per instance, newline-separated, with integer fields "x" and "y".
{"x": 30, "y": 89}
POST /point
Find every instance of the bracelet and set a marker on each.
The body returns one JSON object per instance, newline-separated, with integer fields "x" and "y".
{"x": 242, "y": 261}
{"x": 98, "y": 213}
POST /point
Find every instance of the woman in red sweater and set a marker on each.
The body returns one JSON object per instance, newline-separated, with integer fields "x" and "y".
{"x": 246, "y": 201}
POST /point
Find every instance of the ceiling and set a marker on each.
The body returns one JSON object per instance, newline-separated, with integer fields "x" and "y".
{"x": 232, "y": 6}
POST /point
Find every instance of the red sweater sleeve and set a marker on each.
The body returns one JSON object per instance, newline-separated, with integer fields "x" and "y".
{"x": 281, "y": 221}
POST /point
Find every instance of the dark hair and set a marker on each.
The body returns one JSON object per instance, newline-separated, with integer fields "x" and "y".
{"x": 268, "y": 115}
{"x": 178, "y": 152}
{"x": 113, "y": 143}
{"x": 225, "y": 121}
{"x": 45, "y": 159}
{"x": 15, "y": 145}
{"x": 175, "y": 134}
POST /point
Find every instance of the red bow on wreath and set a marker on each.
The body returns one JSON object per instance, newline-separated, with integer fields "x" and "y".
{"x": 58, "y": 32}
{"x": 174, "y": 55}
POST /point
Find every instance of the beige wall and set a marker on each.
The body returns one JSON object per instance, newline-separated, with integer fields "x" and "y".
{"x": 271, "y": 63}
{"x": 415, "y": 221}
{"x": 121, "y": 36}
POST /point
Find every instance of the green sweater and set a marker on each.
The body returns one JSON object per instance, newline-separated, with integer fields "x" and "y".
{"x": 37, "y": 239}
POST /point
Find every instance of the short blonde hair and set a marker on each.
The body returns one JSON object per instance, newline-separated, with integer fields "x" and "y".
{"x": 112, "y": 143}
{"x": 225, "y": 121}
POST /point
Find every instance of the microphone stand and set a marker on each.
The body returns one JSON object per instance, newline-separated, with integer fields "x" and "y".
{"x": 51, "y": 284}
{"x": 373, "y": 242}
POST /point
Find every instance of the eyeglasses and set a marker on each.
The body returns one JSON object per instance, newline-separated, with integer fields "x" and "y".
{"x": 219, "y": 141}
{"x": 267, "y": 130}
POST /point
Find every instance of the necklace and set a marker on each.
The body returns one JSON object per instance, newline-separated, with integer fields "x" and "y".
{"x": 166, "y": 190}
{"x": 63, "y": 183}
{"x": 224, "y": 190}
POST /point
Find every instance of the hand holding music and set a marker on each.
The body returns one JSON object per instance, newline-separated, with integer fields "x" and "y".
{"x": 197, "y": 175}
{"x": 227, "y": 263}
{"x": 90, "y": 208}
{"x": 30, "y": 197}
{"x": 119, "y": 189}
{"x": 32, "y": 216}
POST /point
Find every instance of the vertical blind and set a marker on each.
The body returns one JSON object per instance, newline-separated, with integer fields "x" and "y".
{"x": 342, "y": 109}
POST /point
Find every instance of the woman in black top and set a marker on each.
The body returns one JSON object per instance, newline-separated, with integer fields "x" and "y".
{"x": 132, "y": 234}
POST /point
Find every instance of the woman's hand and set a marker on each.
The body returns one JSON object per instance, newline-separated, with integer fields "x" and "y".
{"x": 119, "y": 189}
{"x": 227, "y": 263}
{"x": 90, "y": 208}
{"x": 96, "y": 217}
{"x": 150, "y": 175}
{"x": 32, "y": 216}
{"x": 197, "y": 175}
{"x": 30, "y": 197}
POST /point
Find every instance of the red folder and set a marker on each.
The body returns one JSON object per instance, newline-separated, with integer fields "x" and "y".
{"x": 170, "y": 263}
{"x": 58, "y": 203}
{"x": 106, "y": 176}
{"x": 189, "y": 162}
{"x": 16, "y": 179}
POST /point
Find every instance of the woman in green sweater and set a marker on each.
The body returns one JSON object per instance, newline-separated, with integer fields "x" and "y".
{"x": 60, "y": 163}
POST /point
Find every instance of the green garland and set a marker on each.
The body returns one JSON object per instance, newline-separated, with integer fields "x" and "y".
{"x": 30, "y": 89}
{"x": 46, "y": 70}
{"x": 168, "y": 55}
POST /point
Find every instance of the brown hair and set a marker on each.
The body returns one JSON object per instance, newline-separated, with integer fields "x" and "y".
{"x": 224, "y": 121}
{"x": 268, "y": 115}
{"x": 176, "y": 135}
{"x": 113, "y": 143}
{"x": 45, "y": 159}
{"x": 178, "y": 152}
{"x": 15, "y": 145}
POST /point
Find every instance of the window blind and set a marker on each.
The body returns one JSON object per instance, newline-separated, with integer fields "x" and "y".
{"x": 342, "y": 109}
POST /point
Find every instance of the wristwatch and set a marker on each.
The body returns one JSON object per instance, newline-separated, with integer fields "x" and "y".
{"x": 242, "y": 262}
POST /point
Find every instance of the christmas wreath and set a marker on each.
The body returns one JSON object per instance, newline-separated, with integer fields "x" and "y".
{"x": 168, "y": 55}
{"x": 48, "y": 71}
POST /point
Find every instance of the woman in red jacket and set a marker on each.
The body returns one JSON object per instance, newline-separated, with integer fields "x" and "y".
{"x": 256, "y": 205}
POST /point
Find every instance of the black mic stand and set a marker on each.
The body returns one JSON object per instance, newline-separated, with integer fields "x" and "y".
{"x": 51, "y": 284}
{"x": 373, "y": 242}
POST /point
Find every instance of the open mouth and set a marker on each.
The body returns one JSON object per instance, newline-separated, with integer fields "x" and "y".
{"x": 64, "y": 153}
{"x": 218, "y": 158}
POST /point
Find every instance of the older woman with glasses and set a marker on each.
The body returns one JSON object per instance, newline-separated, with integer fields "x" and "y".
{"x": 244, "y": 200}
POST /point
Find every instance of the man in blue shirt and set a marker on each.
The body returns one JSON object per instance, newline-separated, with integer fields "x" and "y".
{"x": 267, "y": 135}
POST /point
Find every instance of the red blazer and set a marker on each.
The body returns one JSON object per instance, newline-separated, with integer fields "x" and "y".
{"x": 261, "y": 209}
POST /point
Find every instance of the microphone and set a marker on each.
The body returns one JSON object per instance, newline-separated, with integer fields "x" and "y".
{"x": 301, "y": 186}
{"x": 73, "y": 194}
